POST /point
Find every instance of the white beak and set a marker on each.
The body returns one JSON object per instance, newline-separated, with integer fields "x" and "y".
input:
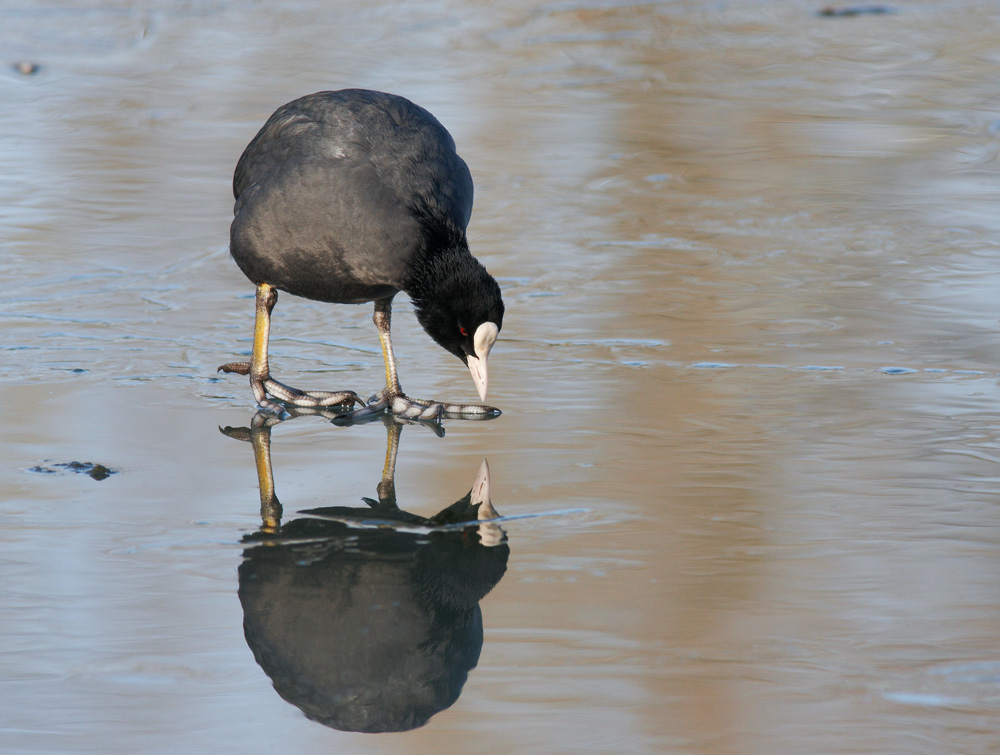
{"x": 482, "y": 341}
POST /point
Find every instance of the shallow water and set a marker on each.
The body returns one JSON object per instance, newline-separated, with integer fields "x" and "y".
{"x": 749, "y": 447}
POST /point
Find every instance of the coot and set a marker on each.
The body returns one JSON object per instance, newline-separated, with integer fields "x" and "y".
{"x": 353, "y": 196}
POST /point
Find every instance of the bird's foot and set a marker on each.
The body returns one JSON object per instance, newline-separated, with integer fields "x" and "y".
{"x": 292, "y": 396}
{"x": 400, "y": 405}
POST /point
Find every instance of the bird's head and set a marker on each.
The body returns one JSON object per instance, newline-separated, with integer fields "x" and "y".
{"x": 463, "y": 311}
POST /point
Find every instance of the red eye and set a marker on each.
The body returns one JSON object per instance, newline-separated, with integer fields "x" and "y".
{"x": 463, "y": 331}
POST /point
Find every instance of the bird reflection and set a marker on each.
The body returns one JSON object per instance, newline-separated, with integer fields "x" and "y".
{"x": 368, "y": 619}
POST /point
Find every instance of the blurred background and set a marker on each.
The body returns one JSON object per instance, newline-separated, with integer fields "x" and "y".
{"x": 748, "y": 371}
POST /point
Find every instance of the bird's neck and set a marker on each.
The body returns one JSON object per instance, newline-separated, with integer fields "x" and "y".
{"x": 438, "y": 271}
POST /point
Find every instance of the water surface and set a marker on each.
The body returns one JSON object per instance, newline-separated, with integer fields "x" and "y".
{"x": 748, "y": 450}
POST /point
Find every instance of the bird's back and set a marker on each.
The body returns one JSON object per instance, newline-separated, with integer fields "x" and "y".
{"x": 337, "y": 191}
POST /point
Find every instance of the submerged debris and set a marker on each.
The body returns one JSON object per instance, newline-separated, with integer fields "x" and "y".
{"x": 96, "y": 471}
{"x": 851, "y": 11}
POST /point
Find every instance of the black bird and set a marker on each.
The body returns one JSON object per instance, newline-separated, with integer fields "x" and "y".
{"x": 353, "y": 196}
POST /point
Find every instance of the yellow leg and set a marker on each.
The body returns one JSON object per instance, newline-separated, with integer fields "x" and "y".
{"x": 382, "y": 319}
{"x": 267, "y": 297}
{"x": 261, "y": 382}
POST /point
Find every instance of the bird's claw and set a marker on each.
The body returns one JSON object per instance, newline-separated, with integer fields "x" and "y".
{"x": 396, "y": 404}
{"x": 268, "y": 386}
{"x": 471, "y": 411}
{"x": 240, "y": 368}
{"x": 367, "y": 413}
{"x": 317, "y": 399}
{"x": 419, "y": 410}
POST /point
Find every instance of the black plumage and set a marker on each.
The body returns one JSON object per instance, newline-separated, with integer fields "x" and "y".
{"x": 352, "y": 196}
